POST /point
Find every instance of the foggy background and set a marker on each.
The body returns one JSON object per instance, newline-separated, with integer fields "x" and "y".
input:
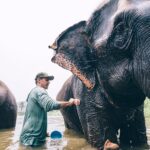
{"x": 27, "y": 27}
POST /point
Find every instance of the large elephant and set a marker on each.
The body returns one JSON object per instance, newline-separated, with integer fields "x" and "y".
{"x": 8, "y": 107}
{"x": 98, "y": 120}
{"x": 112, "y": 50}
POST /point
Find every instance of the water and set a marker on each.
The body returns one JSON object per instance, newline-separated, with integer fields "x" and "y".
{"x": 9, "y": 139}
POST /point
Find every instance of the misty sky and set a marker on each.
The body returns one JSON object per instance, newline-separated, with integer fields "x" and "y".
{"x": 27, "y": 27}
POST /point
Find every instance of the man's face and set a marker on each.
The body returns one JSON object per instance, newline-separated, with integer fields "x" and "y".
{"x": 44, "y": 82}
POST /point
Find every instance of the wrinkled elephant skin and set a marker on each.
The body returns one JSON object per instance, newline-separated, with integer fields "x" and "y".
{"x": 109, "y": 53}
{"x": 8, "y": 108}
{"x": 98, "y": 120}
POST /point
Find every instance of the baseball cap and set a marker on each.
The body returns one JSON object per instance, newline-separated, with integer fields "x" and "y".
{"x": 44, "y": 75}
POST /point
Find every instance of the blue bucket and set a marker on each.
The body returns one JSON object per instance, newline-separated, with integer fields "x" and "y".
{"x": 56, "y": 135}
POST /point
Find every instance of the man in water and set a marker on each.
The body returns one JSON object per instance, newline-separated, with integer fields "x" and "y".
{"x": 34, "y": 129}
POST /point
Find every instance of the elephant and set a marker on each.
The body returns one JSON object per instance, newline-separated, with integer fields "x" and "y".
{"x": 71, "y": 118}
{"x": 8, "y": 107}
{"x": 131, "y": 122}
{"x": 110, "y": 49}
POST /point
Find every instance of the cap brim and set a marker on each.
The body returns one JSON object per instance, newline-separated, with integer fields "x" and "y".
{"x": 50, "y": 77}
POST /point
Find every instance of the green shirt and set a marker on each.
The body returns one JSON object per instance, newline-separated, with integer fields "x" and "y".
{"x": 35, "y": 121}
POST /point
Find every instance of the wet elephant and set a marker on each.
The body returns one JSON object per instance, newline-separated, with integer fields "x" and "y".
{"x": 130, "y": 122}
{"x": 71, "y": 118}
{"x": 8, "y": 108}
{"x": 112, "y": 50}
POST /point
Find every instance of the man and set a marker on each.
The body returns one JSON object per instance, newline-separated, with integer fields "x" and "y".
{"x": 34, "y": 129}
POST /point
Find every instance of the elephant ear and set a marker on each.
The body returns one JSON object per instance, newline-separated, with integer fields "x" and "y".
{"x": 121, "y": 37}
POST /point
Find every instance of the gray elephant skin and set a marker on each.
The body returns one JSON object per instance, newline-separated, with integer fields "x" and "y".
{"x": 8, "y": 107}
{"x": 98, "y": 120}
{"x": 112, "y": 50}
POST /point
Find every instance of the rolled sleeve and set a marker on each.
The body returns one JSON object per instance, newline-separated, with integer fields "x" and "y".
{"x": 46, "y": 102}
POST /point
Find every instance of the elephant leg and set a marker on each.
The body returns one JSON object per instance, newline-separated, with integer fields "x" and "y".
{"x": 133, "y": 132}
{"x": 94, "y": 135}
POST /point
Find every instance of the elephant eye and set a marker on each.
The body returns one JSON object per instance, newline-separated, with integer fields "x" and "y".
{"x": 121, "y": 36}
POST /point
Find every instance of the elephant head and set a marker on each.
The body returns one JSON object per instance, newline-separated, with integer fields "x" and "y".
{"x": 114, "y": 46}
{"x": 119, "y": 30}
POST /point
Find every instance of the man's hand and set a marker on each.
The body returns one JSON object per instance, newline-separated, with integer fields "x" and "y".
{"x": 73, "y": 101}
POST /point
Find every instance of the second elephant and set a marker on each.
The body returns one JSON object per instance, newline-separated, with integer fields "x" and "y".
{"x": 8, "y": 107}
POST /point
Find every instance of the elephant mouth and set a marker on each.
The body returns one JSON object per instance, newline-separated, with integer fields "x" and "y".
{"x": 66, "y": 63}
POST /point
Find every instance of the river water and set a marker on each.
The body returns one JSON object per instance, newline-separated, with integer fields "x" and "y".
{"x": 9, "y": 139}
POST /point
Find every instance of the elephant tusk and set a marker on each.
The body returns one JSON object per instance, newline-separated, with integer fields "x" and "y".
{"x": 49, "y": 46}
{"x": 53, "y": 46}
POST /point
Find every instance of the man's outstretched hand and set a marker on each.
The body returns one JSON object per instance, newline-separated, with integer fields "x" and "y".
{"x": 73, "y": 101}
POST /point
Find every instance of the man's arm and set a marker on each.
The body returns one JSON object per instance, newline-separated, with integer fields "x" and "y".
{"x": 71, "y": 102}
